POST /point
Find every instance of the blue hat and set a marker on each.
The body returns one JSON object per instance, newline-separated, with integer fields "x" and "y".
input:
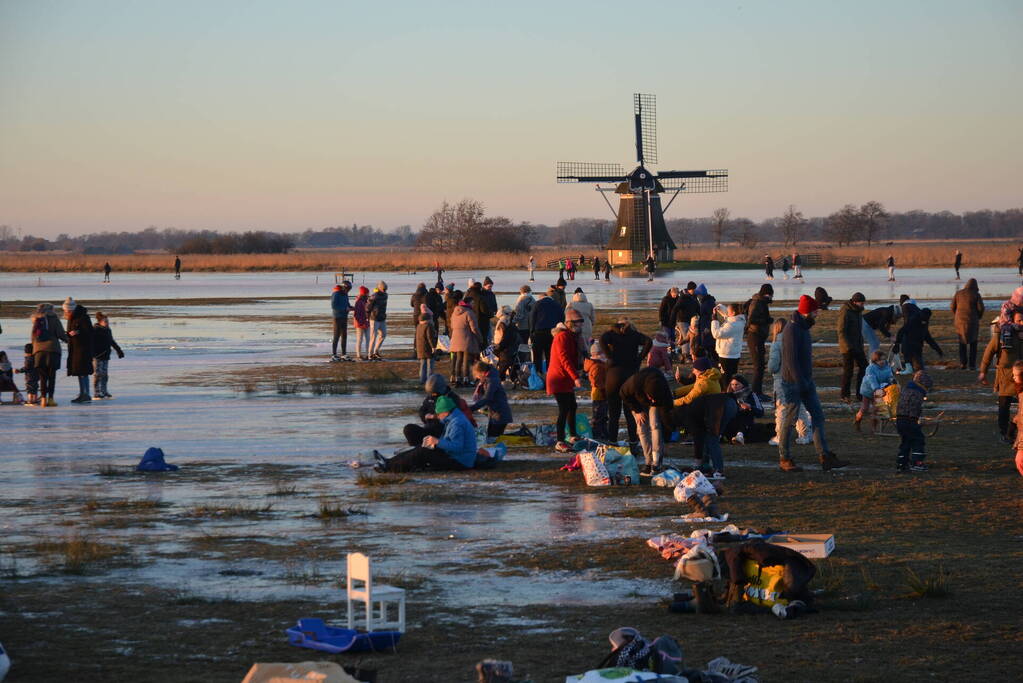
{"x": 153, "y": 461}
{"x": 701, "y": 289}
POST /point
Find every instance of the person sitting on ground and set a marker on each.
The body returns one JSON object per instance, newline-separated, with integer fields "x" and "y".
{"x": 563, "y": 378}
{"x": 912, "y": 447}
{"x": 506, "y": 345}
{"x": 804, "y": 431}
{"x": 648, "y": 397}
{"x": 727, "y": 329}
{"x": 744, "y": 428}
{"x": 454, "y": 449}
{"x": 596, "y": 369}
{"x": 706, "y": 380}
{"x": 660, "y": 356}
{"x": 877, "y": 378}
{"x": 490, "y": 394}
{"x": 435, "y": 387}
{"x": 28, "y": 368}
{"x": 7, "y": 378}
{"x": 426, "y": 343}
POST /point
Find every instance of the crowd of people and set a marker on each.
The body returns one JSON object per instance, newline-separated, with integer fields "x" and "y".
{"x": 685, "y": 376}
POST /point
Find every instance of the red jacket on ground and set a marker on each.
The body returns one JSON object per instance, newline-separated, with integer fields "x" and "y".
{"x": 563, "y": 370}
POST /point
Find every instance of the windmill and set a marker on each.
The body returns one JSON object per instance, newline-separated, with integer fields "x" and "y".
{"x": 640, "y": 229}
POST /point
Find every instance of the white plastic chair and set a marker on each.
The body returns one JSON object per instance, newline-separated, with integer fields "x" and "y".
{"x": 376, "y": 596}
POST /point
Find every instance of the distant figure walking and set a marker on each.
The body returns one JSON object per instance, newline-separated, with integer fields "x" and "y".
{"x": 440, "y": 274}
{"x": 650, "y": 265}
{"x": 891, "y": 268}
{"x": 177, "y": 268}
{"x": 769, "y": 266}
{"x": 596, "y": 267}
{"x": 785, "y": 265}
{"x": 106, "y": 271}
{"x": 959, "y": 262}
{"x": 797, "y": 266}
{"x": 531, "y": 267}
{"x": 1019, "y": 262}
{"x": 607, "y": 271}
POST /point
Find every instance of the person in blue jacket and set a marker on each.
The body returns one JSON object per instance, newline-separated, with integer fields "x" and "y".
{"x": 490, "y": 394}
{"x": 339, "y": 307}
{"x": 455, "y": 449}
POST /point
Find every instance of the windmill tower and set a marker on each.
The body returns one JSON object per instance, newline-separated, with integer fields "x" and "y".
{"x": 640, "y": 229}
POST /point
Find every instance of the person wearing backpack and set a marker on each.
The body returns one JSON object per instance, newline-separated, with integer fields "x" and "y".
{"x": 758, "y": 326}
{"x": 47, "y": 333}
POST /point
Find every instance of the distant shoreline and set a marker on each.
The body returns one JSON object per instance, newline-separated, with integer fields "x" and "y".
{"x": 977, "y": 254}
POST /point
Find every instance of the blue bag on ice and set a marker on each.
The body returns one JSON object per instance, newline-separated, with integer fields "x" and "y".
{"x": 153, "y": 461}
{"x": 534, "y": 382}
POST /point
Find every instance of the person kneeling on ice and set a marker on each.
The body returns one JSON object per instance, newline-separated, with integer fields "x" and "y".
{"x": 490, "y": 394}
{"x": 792, "y": 597}
{"x": 435, "y": 387}
{"x": 455, "y": 449}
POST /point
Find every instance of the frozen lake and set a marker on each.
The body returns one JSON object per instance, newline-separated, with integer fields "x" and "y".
{"x": 51, "y": 457}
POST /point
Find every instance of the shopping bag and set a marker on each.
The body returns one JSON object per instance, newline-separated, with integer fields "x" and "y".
{"x": 593, "y": 469}
{"x": 443, "y": 343}
{"x": 582, "y": 426}
{"x": 535, "y": 382}
{"x": 621, "y": 468}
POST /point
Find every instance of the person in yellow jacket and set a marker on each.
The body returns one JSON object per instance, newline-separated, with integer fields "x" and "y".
{"x": 708, "y": 381}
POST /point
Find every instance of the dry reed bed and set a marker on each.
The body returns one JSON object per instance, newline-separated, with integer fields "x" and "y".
{"x": 978, "y": 253}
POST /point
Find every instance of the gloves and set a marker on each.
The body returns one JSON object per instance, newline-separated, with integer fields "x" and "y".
{"x": 120, "y": 354}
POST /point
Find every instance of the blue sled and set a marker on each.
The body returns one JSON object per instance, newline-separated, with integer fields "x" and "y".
{"x": 315, "y": 635}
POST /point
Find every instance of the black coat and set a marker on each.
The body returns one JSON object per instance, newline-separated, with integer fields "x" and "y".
{"x": 881, "y": 319}
{"x": 79, "y": 355}
{"x": 103, "y": 342}
{"x": 758, "y": 316}
{"x": 418, "y": 298}
{"x": 436, "y": 305}
{"x": 638, "y": 389}
{"x": 665, "y": 309}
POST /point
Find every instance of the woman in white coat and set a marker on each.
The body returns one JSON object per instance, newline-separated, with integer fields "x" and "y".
{"x": 727, "y": 329}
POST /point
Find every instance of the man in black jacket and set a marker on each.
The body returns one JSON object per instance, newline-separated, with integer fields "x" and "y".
{"x": 418, "y": 298}
{"x": 488, "y": 308}
{"x": 797, "y": 386}
{"x": 435, "y": 302}
{"x": 850, "y": 344}
{"x": 686, "y": 307}
{"x": 664, "y": 311}
{"x": 758, "y": 326}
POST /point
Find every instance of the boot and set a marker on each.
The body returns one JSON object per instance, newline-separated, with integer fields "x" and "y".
{"x": 830, "y": 461}
{"x": 789, "y": 466}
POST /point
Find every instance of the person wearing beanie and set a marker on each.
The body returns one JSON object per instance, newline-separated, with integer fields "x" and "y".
{"x": 490, "y": 394}
{"x": 686, "y": 308}
{"x": 376, "y": 309}
{"x": 915, "y": 331}
{"x": 706, "y": 380}
{"x": 797, "y": 387}
{"x": 758, "y": 326}
{"x": 727, "y": 328}
{"x": 850, "y": 345}
{"x": 558, "y": 292}
{"x": 660, "y": 354}
{"x": 595, "y": 367}
{"x": 418, "y": 299}
{"x": 523, "y": 308}
{"x": 426, "y": 342}
{"x": 435, "y": 387}
{"x": 79, "y": 348}
{"x": 648, "y": 397}
{"x": 583, "y": 307}
{"x": 667, "y": 307}
{"x": 543, "y": 318}
{"x": 486, "y": 310}
{"x": 507, "y": 340}
{"x": 454, "y": 449}
{"x": 703, "y": 338}
{"x": 360, "y": 316}
{"x": 912, "y": 447}
{"x": 47, "y": 333}
{"x": 339, "y": 307}
{"x": 624, "y": 347}
{"x": 102, "y": 344}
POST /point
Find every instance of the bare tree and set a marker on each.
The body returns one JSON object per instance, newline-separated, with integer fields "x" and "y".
{"x": 792, "y": 225}
{"x": 720, "y": 222}
{"x": 744, "y": 231}
{"x": 844, "y": 226}
{"x": 873, "y": 219}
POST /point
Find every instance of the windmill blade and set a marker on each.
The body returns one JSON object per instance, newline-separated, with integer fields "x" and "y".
{"x": 694, "y": 182}
{"x": 585, "y": 172}
{"x": 645, "y": 114}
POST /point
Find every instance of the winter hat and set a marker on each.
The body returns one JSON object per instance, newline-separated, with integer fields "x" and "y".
{"x": 858, "y": 297}
{"x": 69, "y": 304}
{"x": 507, "y": 310}
{"x": 363, "y": 291}
{"x": 337, "y": 288}
{"x": 923, "y": 379}
{"x": 820, "y": 295}
{"x": 435, "y": 384}
{"x": 660, "y": 340}
{"x": 561, "y": 282}
{"x": 382, "y": 286}
{"x": 807, "y": 305}
{"x": 595, "y": 351}
{"x": 443, "y": 404}
{"x": 451, "y": 286}
{"x": 690, "y": 286}
{"x": 767, "y": 289}
{"x": 467, "y": 302}
{"x": 488, "y": 281}
{"x": 701, "y": 290}
{"x": 702, "y": 364}
{"x": 578, "y": 290}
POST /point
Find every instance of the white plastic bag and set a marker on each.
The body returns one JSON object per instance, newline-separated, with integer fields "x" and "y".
{"x": 693, "y": 484}
{"x": 668, "y": 478}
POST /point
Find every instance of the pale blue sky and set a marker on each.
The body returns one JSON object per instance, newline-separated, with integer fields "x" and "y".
{"x": 287, "y": 115}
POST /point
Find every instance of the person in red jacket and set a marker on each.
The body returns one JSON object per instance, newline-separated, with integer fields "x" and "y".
{"x": 563, "y": 376}
{"x": 361, "y": 317}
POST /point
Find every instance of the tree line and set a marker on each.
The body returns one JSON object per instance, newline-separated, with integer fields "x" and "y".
{"x": 465, "y": 226}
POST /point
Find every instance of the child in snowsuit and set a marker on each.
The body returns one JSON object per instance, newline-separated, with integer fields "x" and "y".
{"x": 7, "y": 378}
{"x": 31, "y": 376}
{"x": 907, "y": 422}
{"x": 659, "y": 356}
{"x": 878, "y": 376}
{"x": 596, "y": 368}
{"x": 102, "y": 343}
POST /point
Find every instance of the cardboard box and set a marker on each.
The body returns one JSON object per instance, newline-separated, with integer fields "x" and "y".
{"x": 811, "y": 545}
